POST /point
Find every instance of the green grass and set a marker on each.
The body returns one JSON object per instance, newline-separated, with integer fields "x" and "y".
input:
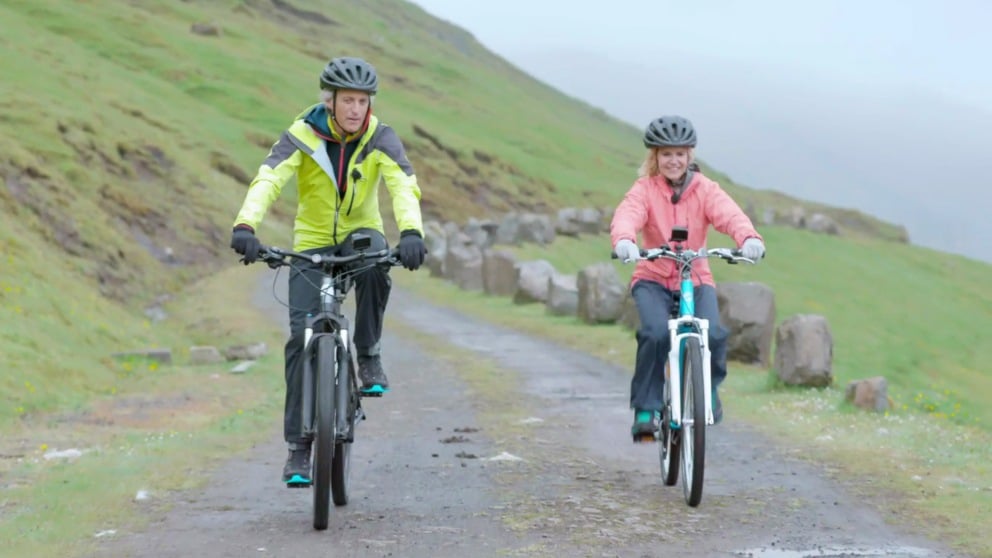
{"x": 158, "y": 428}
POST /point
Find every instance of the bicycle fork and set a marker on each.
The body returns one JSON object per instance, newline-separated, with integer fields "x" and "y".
{"x": 340, "y": 377}
{"x": 679, "y": 331}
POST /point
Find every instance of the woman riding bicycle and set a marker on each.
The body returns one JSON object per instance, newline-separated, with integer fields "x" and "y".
{"x": 672, "y": 192}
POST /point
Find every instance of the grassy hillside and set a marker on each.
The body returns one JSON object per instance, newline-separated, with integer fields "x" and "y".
{"x": 126, "y": 143}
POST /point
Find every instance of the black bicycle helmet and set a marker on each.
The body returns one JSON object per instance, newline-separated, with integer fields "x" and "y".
{"x": 347, "y": 72}
{"x": 670, "y": 131}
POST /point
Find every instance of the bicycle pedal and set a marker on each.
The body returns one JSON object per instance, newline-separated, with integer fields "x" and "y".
{"x": 644, "y": 438}
{"x": 298, "y": 482}
{"x": 374, "y": 391}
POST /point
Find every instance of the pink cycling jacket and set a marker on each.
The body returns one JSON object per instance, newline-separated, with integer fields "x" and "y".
{"x": 647, "y": 208}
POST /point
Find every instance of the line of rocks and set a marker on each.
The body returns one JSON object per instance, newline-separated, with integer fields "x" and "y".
{"x": 199, "y": 355}
{"x": 470, "y": 256}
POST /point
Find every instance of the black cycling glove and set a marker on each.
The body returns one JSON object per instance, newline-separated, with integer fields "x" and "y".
{"x": 412, "y": 249}
{"x": 244, "y": 242}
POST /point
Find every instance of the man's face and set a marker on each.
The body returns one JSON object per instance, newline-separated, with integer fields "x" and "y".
{"x": 350, "y": 108}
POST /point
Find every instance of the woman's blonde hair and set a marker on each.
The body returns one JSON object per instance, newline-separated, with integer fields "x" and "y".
{"x": 650, "y": 165}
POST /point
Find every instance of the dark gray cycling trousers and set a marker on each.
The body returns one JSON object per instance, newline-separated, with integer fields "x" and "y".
{"x": 372, "y": 288}
{"x": 653, "y": 306}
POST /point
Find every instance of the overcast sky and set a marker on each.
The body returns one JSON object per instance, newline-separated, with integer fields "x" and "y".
{"x": 940, "y": 45}
{"x": 879, "y": 105}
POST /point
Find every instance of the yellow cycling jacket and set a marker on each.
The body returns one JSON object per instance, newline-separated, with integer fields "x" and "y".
{"x": 323, "y": 217}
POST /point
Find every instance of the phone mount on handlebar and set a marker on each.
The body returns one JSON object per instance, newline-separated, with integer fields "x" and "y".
{"x": 679, "y": 234}
{"x": 361, "y": 242}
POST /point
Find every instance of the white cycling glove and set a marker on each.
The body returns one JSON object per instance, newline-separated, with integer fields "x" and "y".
{"x": 627, "y": 251}
{"x": 753, "y": 249}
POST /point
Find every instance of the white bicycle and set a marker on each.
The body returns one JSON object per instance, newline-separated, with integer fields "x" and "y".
{"x": 687, "y": 400}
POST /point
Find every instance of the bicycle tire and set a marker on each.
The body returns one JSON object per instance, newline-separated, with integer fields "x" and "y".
{"x": 669, "y": 450}
{"x": 341, "y": 462}
{"x": 693, "y": 423}
{"x": 324, "y": 437}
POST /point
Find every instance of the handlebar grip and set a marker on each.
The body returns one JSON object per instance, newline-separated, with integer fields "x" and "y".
{"x": 613, "y": 255}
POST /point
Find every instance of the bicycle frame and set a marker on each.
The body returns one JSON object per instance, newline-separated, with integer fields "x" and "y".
{"x": 687, "y": 325}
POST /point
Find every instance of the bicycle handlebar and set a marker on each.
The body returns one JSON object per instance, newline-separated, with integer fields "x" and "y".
{"x": 732, "y": 256}
{"x": 275, "y": 257}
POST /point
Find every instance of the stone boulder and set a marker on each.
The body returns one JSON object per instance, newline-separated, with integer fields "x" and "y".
{"x": 871, "y": 394}
{"x": 536, "y": 228}
{"x": 463, "y": 263}
{"x": 748, "y": 311}
{"x": 574, "y": 221}
{"x": 481, "y": 233}
{"x": 804, "y": 350}
{"x": 204, "y": 354}
{"x": 601, "y": 293}
{"x": 563, "y": 295}
{"x": 820, "y": 223}
{"x": 508, "y": 230}
{"x": 532, "y": 281}
{"x": 797, "y": 217}
{"x": 251, "y": 351}
{"x": 436, "y": 241}
{"x": 499, "y": 273}
{"x": 768, "y": 217}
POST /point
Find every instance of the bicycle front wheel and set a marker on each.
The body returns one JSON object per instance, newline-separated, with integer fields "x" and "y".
{"x": 341, "y": 464}
{"x": 326, "y": 350}
{"x": 669, "y": 446}
{"x": 693, "y": 422}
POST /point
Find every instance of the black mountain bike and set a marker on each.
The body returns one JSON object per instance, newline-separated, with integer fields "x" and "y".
{"x": 331, "y": 397}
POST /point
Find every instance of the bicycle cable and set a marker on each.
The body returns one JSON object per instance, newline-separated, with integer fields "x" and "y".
{"x": 352, "y": 271}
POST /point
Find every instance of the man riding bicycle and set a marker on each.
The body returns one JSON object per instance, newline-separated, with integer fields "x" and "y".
{"x": 672, "y": 192}
{"x": 338, "y": 151}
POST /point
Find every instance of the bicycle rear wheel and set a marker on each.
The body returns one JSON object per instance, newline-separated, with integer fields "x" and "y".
{"x": 341, "y": 464}
{"x": 693, "y": 422}
{"x": 324, "y": 439}
{"x": 669, "y": 446}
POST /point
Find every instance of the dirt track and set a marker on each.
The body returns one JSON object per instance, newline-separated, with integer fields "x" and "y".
{"x": 581, "y": 488}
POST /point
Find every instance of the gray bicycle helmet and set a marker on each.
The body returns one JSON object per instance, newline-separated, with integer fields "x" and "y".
{"x": 347, "y": 72}
{"x": 670, "y": 131}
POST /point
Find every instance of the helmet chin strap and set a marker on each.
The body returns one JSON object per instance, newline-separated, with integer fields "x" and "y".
{"x": 679, "y": 186}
